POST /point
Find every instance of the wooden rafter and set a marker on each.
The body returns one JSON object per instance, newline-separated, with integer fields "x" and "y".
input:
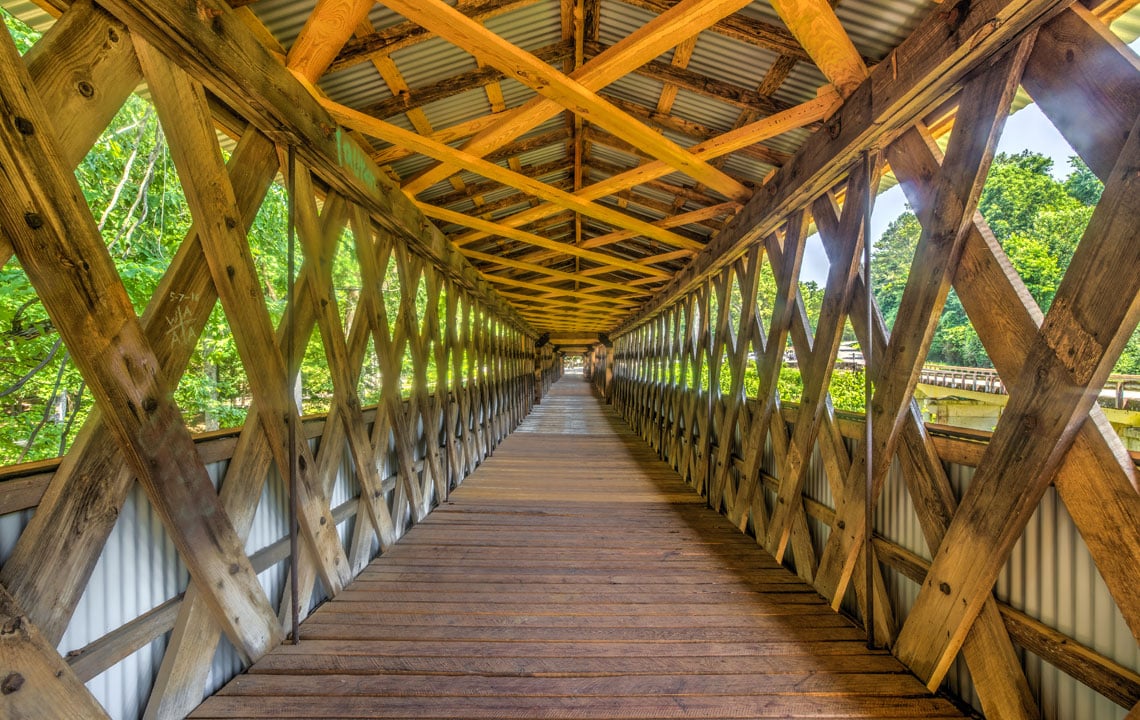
{"x": 658, "y": 35}
{"x": 377, "y": 128}
{"x": 748, "y": 135}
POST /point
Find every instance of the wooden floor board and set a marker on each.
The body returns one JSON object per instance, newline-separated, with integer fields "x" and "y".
{"x": 574, "y": 575}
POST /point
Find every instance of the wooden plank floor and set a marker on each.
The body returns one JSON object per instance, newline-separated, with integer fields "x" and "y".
{"x": 575, "y": 576}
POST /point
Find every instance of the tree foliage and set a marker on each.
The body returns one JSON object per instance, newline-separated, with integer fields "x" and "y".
{"x": 1038, "y": 221}
{"x": 135, "y": 196}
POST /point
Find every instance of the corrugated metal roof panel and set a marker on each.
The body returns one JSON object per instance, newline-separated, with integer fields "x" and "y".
{"x": 746, "y": 168}
{"x": 429, "y": 62}
{"x": 612, "y": 156}
{"x": 636, "y": 88}
{"x": 730, "y": 61}
{"x": 877, "y": 26}
{"x": 529, "y": 27}
{"x": 457, "y": 108}
{"x": 618, "y": 20}
{"x": 358, "y": 86}
{"x": 710, "y": 113}
{"x": 284, "y": 18}
{"x": 515, "y": 93}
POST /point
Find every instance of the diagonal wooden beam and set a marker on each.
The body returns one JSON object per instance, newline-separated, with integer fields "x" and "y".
{"x": 38, "y": 683}
{"x": 1105, "y": 75}
{"x": 926, "y": 67}
{"x": 452, "y": 25}
{"x": 315, "y": 241}
{"x": 181, "y": 681}
{"x": 217, "y": 49}
{"x": 763, "y": 129}
{"x": 447, "y": 136}
{"x": 817, "y": 28}
{"x": 684, "y": 20}
{"x": 982, "y": 112}
{"x": 181, "y": 106}
{"x": 537, "y": 240}
{"x": 49, "y": 225}
{"x": 327, "y": 28}
{"x": 373, "y": 253}
{"x": 1095, "y": 311}
{"x": 695, "y": 216}
{"x": 994, "y": 666}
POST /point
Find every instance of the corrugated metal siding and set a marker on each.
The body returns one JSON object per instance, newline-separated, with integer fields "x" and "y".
{"x": 139, "y": 549}
{"x": 1050, "y": 576}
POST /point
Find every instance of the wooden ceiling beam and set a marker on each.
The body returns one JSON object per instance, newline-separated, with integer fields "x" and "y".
{"x": 702, "y": 133}
{"x": 556, "y": 274}
{"x": 445, "y": 136}
{"x": 408, "y": 34}
{"x": 371, "y": 126}
{"x": 704, "y": 86}
{"x": 559, "y": 136}
{"x": 512, "y": 282}
{"x": 728, "y": 208}
{"x": 486, "y": 188}
{"x": 326, "y": 30}
{"x": 811, "y": 111}
{"x": 688, "y": 18}
{"x": 681, "y": 191}
{"x": 587, "y": 307}
{"x": 451, "y": 24}
{"x": 537, "y": 240}
{"x": 815, "y": 25}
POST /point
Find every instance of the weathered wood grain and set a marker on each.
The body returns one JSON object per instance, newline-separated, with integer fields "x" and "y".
{"x": 575, "y": 574}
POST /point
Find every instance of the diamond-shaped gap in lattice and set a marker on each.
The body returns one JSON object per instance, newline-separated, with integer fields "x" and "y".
{"x": 213, "y": 392}
{"x": 43, "y": 402}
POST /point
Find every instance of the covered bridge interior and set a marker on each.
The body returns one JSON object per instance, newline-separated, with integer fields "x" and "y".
{"x": 515, "y": 185}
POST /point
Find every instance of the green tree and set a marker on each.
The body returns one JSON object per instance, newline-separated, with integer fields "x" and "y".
{"x": 1038, "y": 221}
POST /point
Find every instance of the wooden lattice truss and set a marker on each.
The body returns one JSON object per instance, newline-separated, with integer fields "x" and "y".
{"x": 1051, "y": 432}
{"x": 211, "y": 66}
{"x": 482, "y": 352}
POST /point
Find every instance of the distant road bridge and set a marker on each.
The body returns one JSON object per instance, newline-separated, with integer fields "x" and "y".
{"x": 1121, "y": 392}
